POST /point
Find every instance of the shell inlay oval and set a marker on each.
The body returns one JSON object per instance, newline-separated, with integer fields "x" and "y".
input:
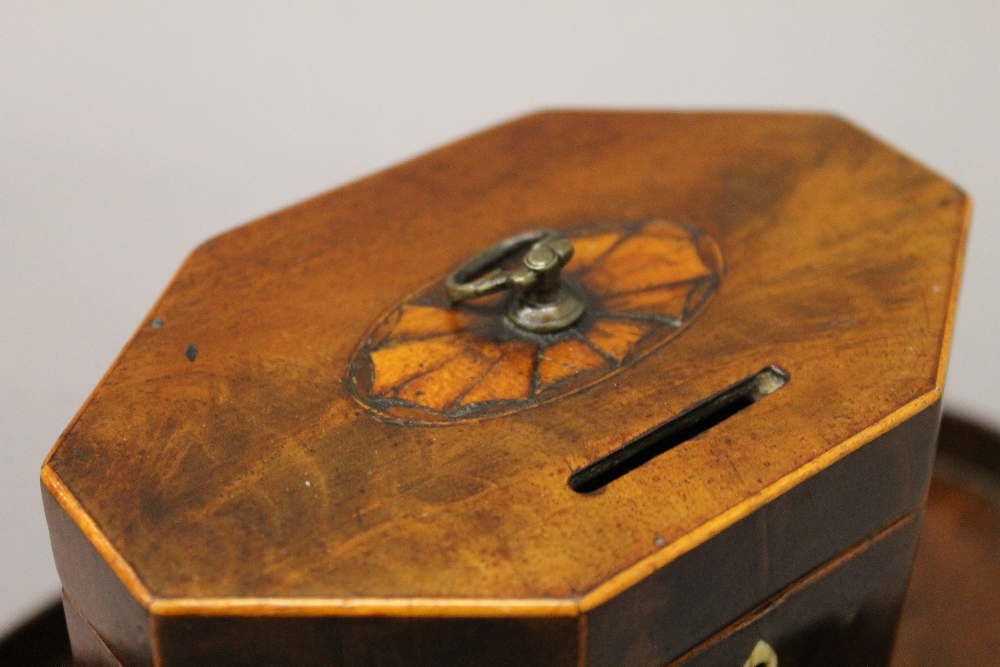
{"x": 429, "y": 362}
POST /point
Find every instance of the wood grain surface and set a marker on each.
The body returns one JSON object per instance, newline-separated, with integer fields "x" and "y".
{"x": 222, "y": 466}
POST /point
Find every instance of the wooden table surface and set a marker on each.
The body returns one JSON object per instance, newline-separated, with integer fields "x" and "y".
{"x": 952, "y": 612}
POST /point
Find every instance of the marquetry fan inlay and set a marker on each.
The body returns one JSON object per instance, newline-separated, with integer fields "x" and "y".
{"x": 427, "y": 361}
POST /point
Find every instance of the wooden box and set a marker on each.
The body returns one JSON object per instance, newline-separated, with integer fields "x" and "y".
{"x": 307, "y": 455}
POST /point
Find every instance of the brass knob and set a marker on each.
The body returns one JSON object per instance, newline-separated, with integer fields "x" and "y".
{"x": 542, "y": 302}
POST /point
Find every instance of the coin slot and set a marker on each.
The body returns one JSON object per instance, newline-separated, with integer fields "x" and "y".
{"x": 685, "y": 426}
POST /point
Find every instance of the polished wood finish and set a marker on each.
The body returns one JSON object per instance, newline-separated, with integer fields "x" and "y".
{"x": 698, "y": 594}
{"x": 89, "y": 650}
{"x": 805, "y": 630}
{"x": 246, "y": 481}
{"x": 103, "y": 602}
{"x": 243, "y": 641}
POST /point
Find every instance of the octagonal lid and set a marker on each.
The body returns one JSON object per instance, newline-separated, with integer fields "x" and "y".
{"x": 262, "y": 441}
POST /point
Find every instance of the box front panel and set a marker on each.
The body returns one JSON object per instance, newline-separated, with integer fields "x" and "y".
{"x": 704, "y": 590}
{"x": 845, "y": 613}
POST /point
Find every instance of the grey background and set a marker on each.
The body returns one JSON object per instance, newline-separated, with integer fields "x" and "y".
{"x": 131, "y": 132}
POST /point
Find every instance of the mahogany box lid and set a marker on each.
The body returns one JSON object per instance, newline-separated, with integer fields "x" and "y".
{"x": 305, "y": 425}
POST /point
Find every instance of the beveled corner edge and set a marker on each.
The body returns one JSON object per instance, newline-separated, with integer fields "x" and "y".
{"x": 955, "y": 286}
{"x": 62, "y": 494}
{"x": 347, "y": 607}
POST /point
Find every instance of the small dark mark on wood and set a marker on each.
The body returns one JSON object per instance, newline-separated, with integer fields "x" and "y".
{"x": 156, "y": 323}
{"x": 191, "y": 352}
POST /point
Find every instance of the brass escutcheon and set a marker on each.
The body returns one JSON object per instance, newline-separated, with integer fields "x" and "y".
{"x": 762, "y": 656}
{"x": 542, "y": 303}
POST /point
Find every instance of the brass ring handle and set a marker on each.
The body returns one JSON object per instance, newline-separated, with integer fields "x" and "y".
{"x": 543, "y": 303}
{"x": 461, "y": 288}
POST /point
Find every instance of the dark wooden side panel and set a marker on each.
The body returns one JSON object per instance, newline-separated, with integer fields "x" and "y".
{"x": 701, "y": 592}
{"x": 366, "y": 642}
{"x": 89, "y": 650}
{"x": 843, "y": 614}
{"x": 96, "y": 591}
